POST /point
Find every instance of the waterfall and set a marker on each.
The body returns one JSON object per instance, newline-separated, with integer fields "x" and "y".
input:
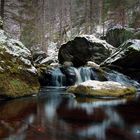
{"x": 57, "y": 77}
{"x": 78, "y": 76}
{"x": 61, "y": 77}
{"x": 112, "y": 75}
{"x": 83, "y": 74}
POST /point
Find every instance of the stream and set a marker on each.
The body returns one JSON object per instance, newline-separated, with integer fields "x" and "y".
{"x": 57, "y": 115}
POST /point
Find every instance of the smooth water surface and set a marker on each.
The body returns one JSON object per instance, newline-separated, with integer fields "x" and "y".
{"x": 55, "y": 115}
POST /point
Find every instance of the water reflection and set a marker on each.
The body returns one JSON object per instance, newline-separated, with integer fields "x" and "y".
{"x": 55, "y": 115}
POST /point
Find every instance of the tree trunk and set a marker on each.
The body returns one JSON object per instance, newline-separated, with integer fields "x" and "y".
{"x": 103, "y": 16}
{"x": 2, "y": 9}
{"x": 91, "y": 16}
{"x": 70, "y": 11}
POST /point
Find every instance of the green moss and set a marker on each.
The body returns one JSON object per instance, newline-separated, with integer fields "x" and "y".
{"x": 88, "y": 91}
{"x": 17, "y": 85}
{"x": 15, "y": 80}
{"x": 42, "y": 68}
{"x": 117, "y": 36}
{"x": 137, "y": 35}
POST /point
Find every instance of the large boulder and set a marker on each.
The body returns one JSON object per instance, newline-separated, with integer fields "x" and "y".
{"x": 84, "y": 48}
{"x": 18, "y": 77}
{"x": 118, "y": 34}
{"x": 127, "y": 56}
{"x": 126, "y": 59}
{"x": 101, "y": 89}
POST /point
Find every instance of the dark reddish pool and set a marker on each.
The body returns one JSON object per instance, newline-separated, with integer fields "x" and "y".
{"x": 57, "y": 116}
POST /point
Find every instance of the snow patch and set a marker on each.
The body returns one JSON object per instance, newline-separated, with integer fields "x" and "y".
{"x": 97, "y": 85}
{"x": 16, "y": 48}
{"x": 92, "y": 39}
{"x": 135, "y": 44}
{"x": 32, "y": 70}
{"x": 120, "y": 27}
{"x": 26, "y": 61}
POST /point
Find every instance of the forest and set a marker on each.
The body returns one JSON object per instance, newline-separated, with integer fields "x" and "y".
{"x": 38, "y": 22}
{"x": 69, "y": 69}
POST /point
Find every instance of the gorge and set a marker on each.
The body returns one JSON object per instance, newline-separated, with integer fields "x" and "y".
{"x": 69, "y": 70}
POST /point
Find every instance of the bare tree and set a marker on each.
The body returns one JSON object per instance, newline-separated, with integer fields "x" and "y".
{"x": 2, "y": 8}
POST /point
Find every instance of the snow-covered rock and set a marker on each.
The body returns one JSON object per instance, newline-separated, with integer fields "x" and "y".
{"x": 18, "y": 75}
{"x": 126, "y": 56}
{"x": 92, "y": 38}
{"x": 16, "y": 49}
{"x": 52, "y": 54}
{"x": 38, "y": 56}
{"x": 93, "y": 65}
{"x": 85, "y": 48}
{"x": 126, "y": 59}
{"x": 101, "y": 89}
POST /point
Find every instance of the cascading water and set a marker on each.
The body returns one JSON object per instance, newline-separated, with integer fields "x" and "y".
{"x": 78, "y": 76}
{"x": 57, "y": 77}
{"x": 60, "y": 77}
{"x": 83, "y": 74}
{"x": 112, "y": 75}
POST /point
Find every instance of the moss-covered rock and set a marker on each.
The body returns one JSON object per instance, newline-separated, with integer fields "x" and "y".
{"x": 118, "y": 35}
{"x": 137, "y": 34}
{"x": 102, "y": 89}
{"x": 18, "y": 77}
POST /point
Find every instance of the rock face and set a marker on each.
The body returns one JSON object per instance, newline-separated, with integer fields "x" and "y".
{"x": 102, "y": 89}
{"x": 118, "y": 34}
{"x": 127, "y": 55}
{"x": 137, "y": 34}
{"x": 84, "y": 48}
{"x": 126, "y": 59}
{"x": 38, "y": 56}
{"x": 18, "y": 77}
{"x": 41, "y": 57}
